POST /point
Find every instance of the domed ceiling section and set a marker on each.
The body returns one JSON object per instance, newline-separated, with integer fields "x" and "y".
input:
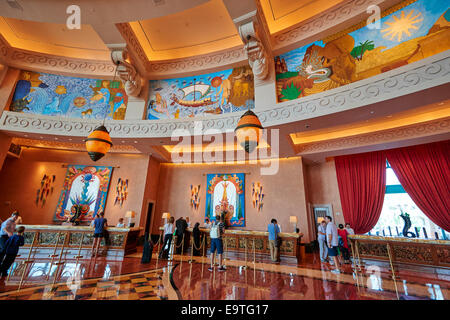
{"x": 204, "y": 29}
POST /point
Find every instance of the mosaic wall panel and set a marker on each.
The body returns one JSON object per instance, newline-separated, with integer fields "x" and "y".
{"x": 373, "y": 249}
{"x": 75, "y": 239}
{"x": 28, "y": 237}
{"x": 413, "y": 254}
{"x": 287, "y": 246}
{"x": 49, "y": 238}
{"x": 443, "y": 255}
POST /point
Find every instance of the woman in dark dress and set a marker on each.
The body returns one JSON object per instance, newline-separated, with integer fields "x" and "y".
{"x": 197, "y": 242}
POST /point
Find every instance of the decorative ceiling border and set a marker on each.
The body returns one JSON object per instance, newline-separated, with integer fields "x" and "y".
{"x": 415, "y": 77}
{"x": 440, "y": 126}
{"x": 326, "y": 21}
{"x": 33, "y": 61}
{"x": 69, "y": 146}
{"x": 183, "y": 66}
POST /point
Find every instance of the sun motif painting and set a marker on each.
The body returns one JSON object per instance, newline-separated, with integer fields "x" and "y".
{"x": 56, "y": 95}
{"x": 214, "y": 93}
{"x": 225, "y": 197}
{"x": 405, "y": 24}
{"x": 84, "y": 193}
{"x": 409, "y": 32}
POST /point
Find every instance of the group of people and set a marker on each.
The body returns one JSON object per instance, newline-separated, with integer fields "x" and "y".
{"x": 11, "y": 239}
{"x": 216, "y": 230}
{"x": 331, "y": 239}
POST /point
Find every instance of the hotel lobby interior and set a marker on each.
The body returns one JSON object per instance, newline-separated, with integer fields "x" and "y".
{"x": 195, "y": 111}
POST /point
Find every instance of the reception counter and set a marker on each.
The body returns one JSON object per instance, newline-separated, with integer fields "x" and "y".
{"x": 236, "y": 240}
{"x": 402, "y": 250}
{"x": 43, "y": 241}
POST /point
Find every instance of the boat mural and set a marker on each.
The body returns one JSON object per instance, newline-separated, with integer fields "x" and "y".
{"x": 214, "y": 93}
{"x": 408, "y": 32}
{"x": 56, "y": 95}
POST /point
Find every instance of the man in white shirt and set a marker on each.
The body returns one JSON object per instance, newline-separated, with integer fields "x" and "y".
{"x": 349, "y": 229}
{"x": 333, "y": 242}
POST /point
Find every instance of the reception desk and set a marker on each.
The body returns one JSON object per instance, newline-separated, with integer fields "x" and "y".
{"x": 243, "y": 240}
{"x": 43, "y": 241}
{"x": 402, "y": 250}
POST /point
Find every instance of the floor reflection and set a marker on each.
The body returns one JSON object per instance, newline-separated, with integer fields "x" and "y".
{"x": 100, "y": 279}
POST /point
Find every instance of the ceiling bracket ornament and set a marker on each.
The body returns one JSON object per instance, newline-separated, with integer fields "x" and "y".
{"x": 127, "y": 72}
{"x": 257, "y": 54}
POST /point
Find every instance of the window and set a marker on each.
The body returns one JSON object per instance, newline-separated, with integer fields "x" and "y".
{"x": 396, "y": 201}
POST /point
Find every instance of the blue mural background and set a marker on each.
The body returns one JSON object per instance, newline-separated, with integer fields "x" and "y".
{"x": 213, "y": 93}
{"x": 56, "y": 95}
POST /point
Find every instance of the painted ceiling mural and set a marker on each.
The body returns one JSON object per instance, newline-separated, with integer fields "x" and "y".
{"x": 213, "y": 93}
{"x": 56, "y": 95}
{"x": 417, "y": 30}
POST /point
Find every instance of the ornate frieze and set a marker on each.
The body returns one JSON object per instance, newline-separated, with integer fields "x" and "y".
{"x": 440, "y": 126}
{"x": 415, "y": 77}
{"x": 35, "y": 61}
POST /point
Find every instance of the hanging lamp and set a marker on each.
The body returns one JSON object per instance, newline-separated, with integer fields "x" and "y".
{"x": 248, "y": 131}
{"x": 99, "y": 142}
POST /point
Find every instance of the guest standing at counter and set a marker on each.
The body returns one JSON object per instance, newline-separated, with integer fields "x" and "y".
{"x": 99, "y": 228}
{"x": 273, "y": 230}
{"x": 7, "y": 230}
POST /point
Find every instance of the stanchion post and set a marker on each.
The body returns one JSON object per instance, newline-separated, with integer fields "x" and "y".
{"x": 54, "y": 255}
{"x": 192, "y": 249}
{"x": 28, "y": 261}
{"x": 392, "y": 268}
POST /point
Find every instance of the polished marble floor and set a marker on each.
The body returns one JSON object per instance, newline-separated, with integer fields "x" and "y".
{"x": 99, "y": 279}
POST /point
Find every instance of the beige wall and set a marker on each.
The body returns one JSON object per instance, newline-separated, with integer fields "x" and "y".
{"x": 21, "y": 180}
{"x": 284, "y": 193}
{"x": 323, "y": 188}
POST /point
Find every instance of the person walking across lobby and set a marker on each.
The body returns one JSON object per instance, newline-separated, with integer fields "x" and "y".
{"x": 273, "y": 230}
{"x": 333, "y": 242}
{"x": 99, "y": 227}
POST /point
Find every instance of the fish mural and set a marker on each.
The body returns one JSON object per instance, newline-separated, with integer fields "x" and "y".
{"x": 214, "y": 93}
{"x": 56, "y": 95}
{"x": 411, "y": 31}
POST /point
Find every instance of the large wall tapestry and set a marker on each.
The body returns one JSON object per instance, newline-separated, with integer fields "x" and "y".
{"x": 84, "y": 192}
{"x": 55, "y": 95}
{"x": 225, "y": 196}
{"x": 413, "y": 32}
{"x": 213, "y": 93}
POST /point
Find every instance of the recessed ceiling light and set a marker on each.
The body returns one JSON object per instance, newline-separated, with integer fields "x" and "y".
{"x": 441, "y": 103}
{"x": 372, "y": 112}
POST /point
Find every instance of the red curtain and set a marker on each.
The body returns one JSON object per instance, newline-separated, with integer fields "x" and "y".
{"x": 362, "y": 184}
{"x": 424, "y": 172}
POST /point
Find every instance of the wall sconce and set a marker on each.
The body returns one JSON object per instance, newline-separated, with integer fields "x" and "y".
{"x": 165, "y": 216}
{"x": 130, "y": 215}
{"x": 257, "y": 196}
{"x": 293, "y": 220}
